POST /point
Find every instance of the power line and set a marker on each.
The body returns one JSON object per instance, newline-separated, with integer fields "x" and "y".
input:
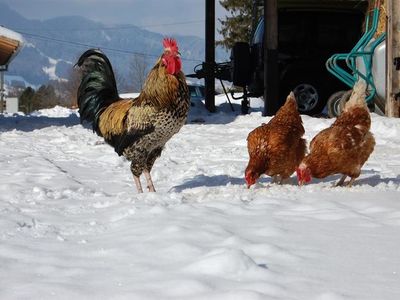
{"x": 37, "y": 36}
{"x": 112, "y": 27}
{"x": 172, "y": 24}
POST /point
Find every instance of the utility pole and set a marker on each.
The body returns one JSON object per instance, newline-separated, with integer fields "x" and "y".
{"x": 393, "y": 58}
{"x": 2, "y": 91}
{"x": 208, "y": 65}
{"x": 271, "y": 72}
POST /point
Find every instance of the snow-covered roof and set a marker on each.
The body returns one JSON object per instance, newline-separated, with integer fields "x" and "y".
{"x": 10, "y": 43}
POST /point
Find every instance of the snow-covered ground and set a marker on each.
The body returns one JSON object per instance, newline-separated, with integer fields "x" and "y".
{"x": 73, "y": 227}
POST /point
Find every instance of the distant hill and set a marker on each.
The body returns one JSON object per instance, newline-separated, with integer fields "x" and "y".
{"x": 46, "y": 56}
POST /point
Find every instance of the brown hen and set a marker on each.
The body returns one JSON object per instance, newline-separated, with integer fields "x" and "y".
{"x": 276, "y": 148}
{"x": 345, "y": 146}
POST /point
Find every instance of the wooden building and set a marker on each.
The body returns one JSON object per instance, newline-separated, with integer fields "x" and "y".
{"x": 10, "y": 44}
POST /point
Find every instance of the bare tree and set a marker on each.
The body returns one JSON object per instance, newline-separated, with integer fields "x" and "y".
{"x": 68, "y": 90}
{"x": 138, "y": 70}
{"x": 120, "y": 80}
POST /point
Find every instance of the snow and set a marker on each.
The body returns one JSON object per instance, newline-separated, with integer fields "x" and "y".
{"x": 11, "y": 34}
{"x": 51, "y": 70}
{"x": 73, "y": 227}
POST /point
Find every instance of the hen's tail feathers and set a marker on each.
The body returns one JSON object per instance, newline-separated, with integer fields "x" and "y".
{"x": 290, "y": 104}
{"x": 98, "y": 87}
{"x": 291, "y": 97}
{"x": 358, "y": 95}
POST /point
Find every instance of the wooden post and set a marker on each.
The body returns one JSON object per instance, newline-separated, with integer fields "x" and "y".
{"x": 393, "y": 58}
{"x": 271, "y": 72}
{"x": 208, "y": 66}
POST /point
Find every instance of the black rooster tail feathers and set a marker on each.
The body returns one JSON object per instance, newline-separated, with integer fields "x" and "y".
{"x": 98, "y": 88}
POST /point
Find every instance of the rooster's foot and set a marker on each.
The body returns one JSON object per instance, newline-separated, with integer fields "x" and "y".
{"x": 150, "y": 184}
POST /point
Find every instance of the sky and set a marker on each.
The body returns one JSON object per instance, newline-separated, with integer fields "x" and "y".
{"x": 154, "y": 15}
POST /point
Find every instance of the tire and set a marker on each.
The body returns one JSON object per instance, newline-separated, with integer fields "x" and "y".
{"x": 307, "y": 97}
{"x": 337, "y": 102}
{"x": 308, "y": 87}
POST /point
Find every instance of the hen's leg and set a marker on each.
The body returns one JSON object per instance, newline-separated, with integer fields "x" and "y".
{"x": 350, "y": 183}
{"x": 138, "y": 184}
{"x": 150, "y": 184}
{"x": 341, "y": 181}
{"x": 286, "y": 180}
{"x": 276, "y": 179}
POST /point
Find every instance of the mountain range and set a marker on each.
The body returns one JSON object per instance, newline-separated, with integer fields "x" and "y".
{"x": 53, "y": 46}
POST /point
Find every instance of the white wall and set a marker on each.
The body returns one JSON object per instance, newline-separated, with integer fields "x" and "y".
{"x": 11, "y": 105}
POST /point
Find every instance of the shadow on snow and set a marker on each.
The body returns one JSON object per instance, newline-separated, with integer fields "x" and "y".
{"x": 224, "y": 180}
{"x": 30, "y": 123}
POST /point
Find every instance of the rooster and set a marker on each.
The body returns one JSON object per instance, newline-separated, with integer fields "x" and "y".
{"x": 137, "y": 128}
{"x": 344, "y": 147}
{"x": 276, "y": 148}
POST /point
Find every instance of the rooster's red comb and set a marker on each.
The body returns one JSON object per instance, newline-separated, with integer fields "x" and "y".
{"x": 170, "y": 44}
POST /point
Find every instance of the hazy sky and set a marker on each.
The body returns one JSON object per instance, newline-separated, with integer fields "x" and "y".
{"x": 154, "y": 15}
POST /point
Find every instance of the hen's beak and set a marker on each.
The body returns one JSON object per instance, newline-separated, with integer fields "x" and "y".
{"x": 248, "y": 184}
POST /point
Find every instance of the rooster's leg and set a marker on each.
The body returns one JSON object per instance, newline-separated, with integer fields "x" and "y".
{"x": 341, "y": 181}
{"x": 150, "y": 184}
{"x": 138, "y": 184}
{"x": 137, "y": 169}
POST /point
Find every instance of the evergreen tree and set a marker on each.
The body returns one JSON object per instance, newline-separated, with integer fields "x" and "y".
{"x": 237, "y": 26}
{"x": 26, "y": 100}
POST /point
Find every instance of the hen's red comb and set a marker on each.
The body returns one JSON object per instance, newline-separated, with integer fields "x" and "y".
{"x": 170, "y": 44}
